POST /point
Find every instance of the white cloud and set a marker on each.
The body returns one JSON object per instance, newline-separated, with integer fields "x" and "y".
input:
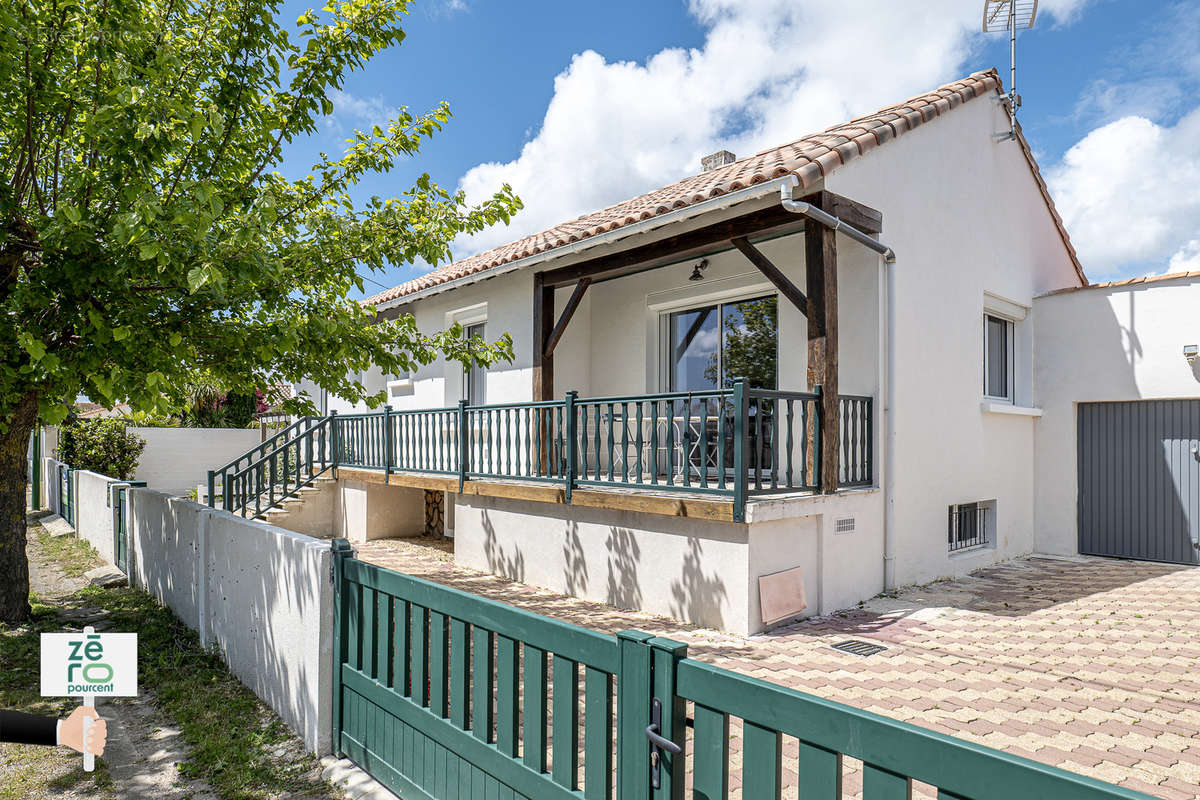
{"x": 769, "y": 71}
{"x": 1187, "y": 259}
{"x": 1129, "y": 193}
{"x": 351, "y": 111}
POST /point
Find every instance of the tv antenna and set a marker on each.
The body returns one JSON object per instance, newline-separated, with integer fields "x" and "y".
{"x": 1010, "y": 16}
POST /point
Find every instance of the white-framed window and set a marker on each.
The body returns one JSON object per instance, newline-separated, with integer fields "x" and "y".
{"x": 466, "y": 384}
{"x": 711, "y": 346}
{"x": 999, "y": 367}
{"x": 475, "y": 378}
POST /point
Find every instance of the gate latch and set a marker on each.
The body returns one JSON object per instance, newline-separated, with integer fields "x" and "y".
{"x": 658, "y": 743}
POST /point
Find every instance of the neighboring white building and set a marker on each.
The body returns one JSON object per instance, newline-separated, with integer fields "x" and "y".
{"x": 1118, "y": 377}
{"x": 665, "y": 301}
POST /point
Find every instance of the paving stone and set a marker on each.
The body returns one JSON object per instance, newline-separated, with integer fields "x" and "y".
{"x": 1088, "y": 664}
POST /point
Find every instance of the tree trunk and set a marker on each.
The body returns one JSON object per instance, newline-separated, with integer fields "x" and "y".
{"x": 14, "y": 567}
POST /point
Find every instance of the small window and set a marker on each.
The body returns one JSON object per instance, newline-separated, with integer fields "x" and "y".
{"x": 475, "y": 378}
{"x": 970, "y": 525}
{"x": 998, "y": 358}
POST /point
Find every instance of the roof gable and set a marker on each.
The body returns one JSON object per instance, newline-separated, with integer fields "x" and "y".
{"x": 810, "y": 159}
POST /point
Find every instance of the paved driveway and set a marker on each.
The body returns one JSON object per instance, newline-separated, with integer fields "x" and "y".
{"x": 1091, "y": 665}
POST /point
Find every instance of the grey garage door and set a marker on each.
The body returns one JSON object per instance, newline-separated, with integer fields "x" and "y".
{"x": 1139, "y": 480}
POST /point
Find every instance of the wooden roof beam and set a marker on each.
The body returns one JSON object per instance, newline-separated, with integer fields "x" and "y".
{"x": 569, "y": 311}
{"x": 772, "y": 273}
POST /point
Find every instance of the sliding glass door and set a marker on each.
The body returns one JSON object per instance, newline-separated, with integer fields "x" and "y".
{"x": 710, "y": 348}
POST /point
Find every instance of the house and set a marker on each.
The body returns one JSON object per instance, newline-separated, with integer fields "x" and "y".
{"x": 820, "y": 375}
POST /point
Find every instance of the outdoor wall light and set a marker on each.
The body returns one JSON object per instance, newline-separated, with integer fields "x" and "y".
{"x": 698, "y": 270}
{"x": 1191, "y": 352}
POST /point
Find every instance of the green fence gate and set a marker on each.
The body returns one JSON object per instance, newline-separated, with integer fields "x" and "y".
{"x": 119, "y": 496}
{"x": 442, "y": 694}
{"x": 66, "y": 494}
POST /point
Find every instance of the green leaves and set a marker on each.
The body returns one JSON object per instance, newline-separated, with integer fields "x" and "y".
{"x": 35, "y": 349}
{"x": 156, "y": 239}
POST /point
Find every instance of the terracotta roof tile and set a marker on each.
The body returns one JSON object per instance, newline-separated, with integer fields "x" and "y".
{"x": 810, "y": 159}
{"x": 1169, "y": 276}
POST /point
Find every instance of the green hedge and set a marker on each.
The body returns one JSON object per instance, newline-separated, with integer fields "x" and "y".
{"x": 100, "y": 445}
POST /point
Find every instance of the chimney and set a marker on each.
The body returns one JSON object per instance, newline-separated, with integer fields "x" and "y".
{"x": 717, "y": 159}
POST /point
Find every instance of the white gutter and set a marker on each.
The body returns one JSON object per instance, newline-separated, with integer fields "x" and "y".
{"x": 784, "y": 183}
{"x": 888, "y": 259}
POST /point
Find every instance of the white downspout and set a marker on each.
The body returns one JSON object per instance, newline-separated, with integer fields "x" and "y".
{"x": 888, "y": 257}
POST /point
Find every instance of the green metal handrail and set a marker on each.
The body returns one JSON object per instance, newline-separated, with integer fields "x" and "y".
{"x": 736, "y": 442}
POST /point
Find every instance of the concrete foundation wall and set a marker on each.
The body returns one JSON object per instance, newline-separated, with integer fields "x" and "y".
{"x": 260, "y": 595}
{"x": 364, "y": 510}
{"x": 693, "y": 570}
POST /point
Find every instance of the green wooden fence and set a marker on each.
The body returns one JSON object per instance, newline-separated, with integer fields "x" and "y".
{"x": 442, "y": 694}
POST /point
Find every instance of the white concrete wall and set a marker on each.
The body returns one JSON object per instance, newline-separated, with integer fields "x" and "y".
{"x": 695, "y": 570}
{"x": 364, "y": 510}
{"x": 260, "y": 595}
{"x": 964, "y": 216}
{"x": 94, "y": 513}
{"x": 1105, "y": 344}
{"x": 51, "y": 488}
{"x": 176, "y": 460}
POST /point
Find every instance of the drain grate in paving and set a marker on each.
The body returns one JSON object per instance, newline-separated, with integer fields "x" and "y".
{"x": 857, "y": 647}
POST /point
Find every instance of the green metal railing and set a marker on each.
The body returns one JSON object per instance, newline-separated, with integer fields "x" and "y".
{"x": 856, "y": 434}
{"x": 275, "y": 470}
{"x": 737, "y": 443}
{"x": 443, "y": 694}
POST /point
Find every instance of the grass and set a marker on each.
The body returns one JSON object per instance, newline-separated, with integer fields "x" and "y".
{"x": 231, "y": 733}
{"x": 71, "y": 555}
{"x": 233, "y": 736}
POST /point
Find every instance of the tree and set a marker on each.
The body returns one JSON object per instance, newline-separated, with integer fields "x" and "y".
{"x": 147, "y": 239}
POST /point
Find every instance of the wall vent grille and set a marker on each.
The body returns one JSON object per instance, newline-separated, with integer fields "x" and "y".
{"x": 844, "y": 525}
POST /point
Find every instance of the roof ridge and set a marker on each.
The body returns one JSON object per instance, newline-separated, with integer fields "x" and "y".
{"x": 810, "y": 159}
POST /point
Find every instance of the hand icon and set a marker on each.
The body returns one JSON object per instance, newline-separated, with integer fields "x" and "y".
{"x": 71, "y": 733}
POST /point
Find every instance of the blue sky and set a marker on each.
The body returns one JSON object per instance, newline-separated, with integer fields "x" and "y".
{"x": 579, "y": 105}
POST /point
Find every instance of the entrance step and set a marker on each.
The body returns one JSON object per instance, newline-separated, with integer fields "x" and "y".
{"x": 106, "y": 575}
{"x": 56, "y": 525}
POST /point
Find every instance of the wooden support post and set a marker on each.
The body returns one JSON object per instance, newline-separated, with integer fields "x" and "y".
{"x": 543, "y": 326}
{"x": 820, "y": 251}
{"x": 543, "y": 372}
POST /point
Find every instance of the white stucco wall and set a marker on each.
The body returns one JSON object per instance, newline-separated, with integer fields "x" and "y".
{"x": 698, "y": 571}
{"x": 965, "y": 218}
{"x": 260, "y": 595}
{"x": 1104, "y": 344}
{"x": 177, "y": 460}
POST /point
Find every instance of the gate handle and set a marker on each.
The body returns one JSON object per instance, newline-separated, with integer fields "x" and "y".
{"x": 661, "y": 743}
{"x": 657, "y": 743}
